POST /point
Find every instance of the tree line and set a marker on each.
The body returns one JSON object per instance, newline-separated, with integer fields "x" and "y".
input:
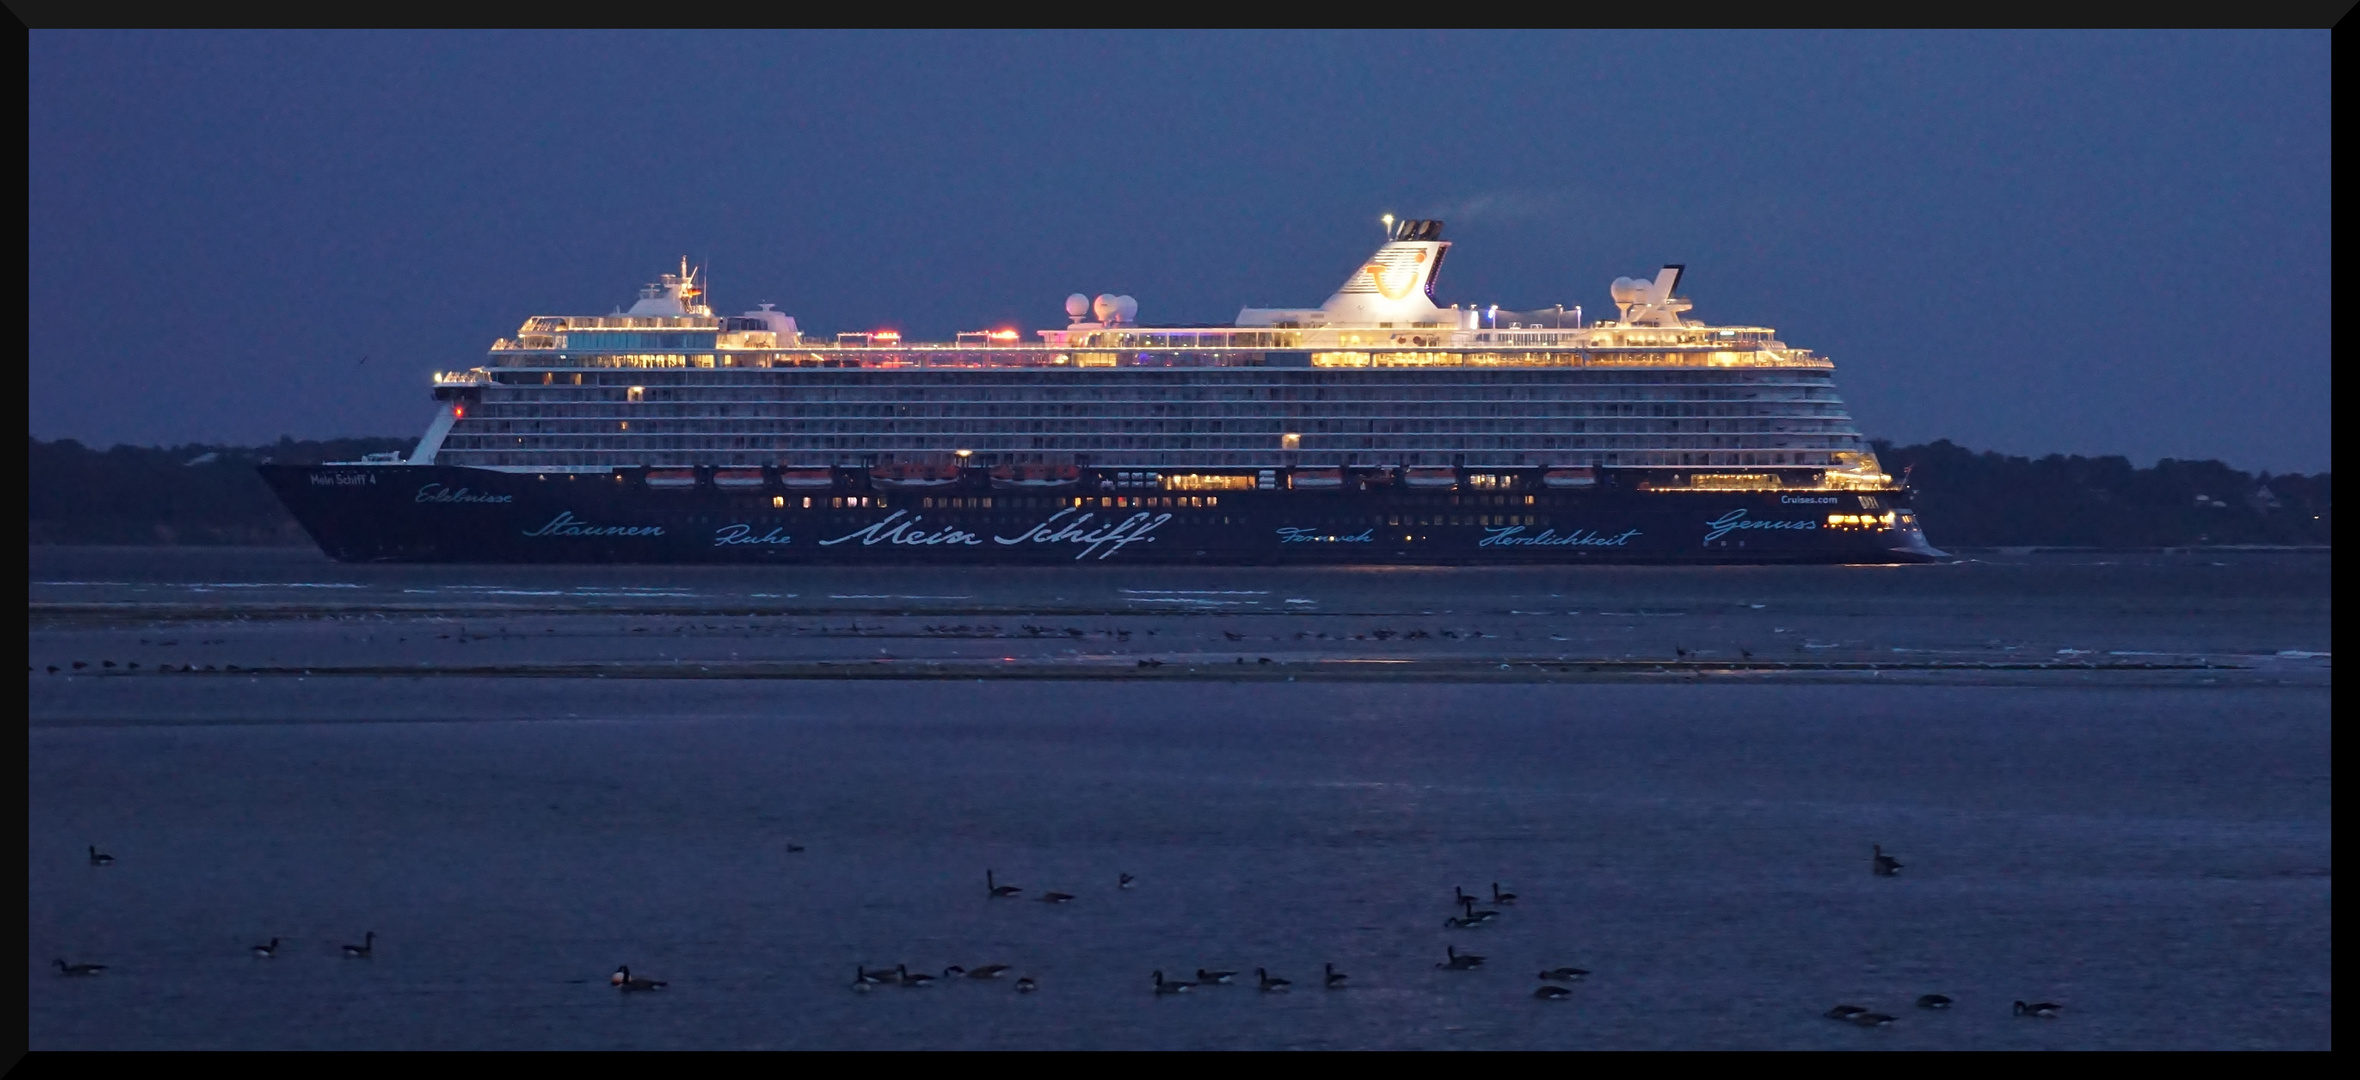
{"x": 210, "y": 494}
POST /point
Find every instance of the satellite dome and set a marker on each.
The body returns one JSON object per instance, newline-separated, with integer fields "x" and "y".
{"x": 1077, "y": 306}
{"x": 1126, "y": 309}
{"x": 1628, "y": 290}
{"x": 1105, "y": 307}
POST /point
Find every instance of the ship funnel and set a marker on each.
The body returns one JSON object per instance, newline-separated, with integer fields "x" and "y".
{"x": 1651, "y": 303}
{"x": 1395, "y": 285}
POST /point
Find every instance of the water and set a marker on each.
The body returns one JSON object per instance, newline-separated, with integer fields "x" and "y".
{"x": 2108, "y": 778}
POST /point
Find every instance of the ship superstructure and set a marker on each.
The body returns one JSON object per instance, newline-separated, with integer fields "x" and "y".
{"x": 1380, "y": 390}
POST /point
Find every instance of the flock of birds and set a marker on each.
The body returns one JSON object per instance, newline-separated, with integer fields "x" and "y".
{"x": 1469, "y": 917}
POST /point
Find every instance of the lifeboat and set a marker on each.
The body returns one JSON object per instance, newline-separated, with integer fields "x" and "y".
{"x": 807, "y": 479}
{"x": 1035, "y": 476}
{"x": 737, "y": 479}
{"x": 910, "y": 475}
{"x": 1570, "y": 478}
{"x": 1316, "y": 479}
{"x": 1430, "y": 478}
{"x": 672, "y": 479}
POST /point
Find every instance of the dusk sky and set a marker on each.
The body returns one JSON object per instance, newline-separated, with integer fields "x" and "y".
{"x": 2081, "y": 243}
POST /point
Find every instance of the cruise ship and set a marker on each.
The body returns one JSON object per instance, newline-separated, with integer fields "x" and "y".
{"x": 1376, "y": 428}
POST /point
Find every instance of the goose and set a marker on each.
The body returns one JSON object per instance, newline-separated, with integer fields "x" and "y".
{"x": 996, "y": 890}
{"x": 265, "y": 952}
{"x": 1475, "y": 916}
{"x": 987, "y": 971}
{"x": 1501, "y": 898}
{"x": 623, "y": 980}
{"x": 1125, "y": 881}
{"x": 64, "y": 968}
{"x": 1335, "y": 979}
{"x": 1213, "y": 978}
{"x": 1025, "y": 985}
{"x": 794, "y": 849}
{"x": 864, "y": 977}
{"x": 1884, "y": 865}
{"x": 1162, "y": 987}
{"x": 1552, "y": 993}
{"x": 861, "y": 986}
{"x": 1843, "y": 1012}
{"x": 1054, "y": 897}
{"x": 100, "y": 858}
{"x": 1271, "y": 984}
{"x": 1460, "y": 961}
{"x": 1865, "y": 1018}
{"x": 2046, "y": 1010}
{"x": 365, "y": 949}
{"x": 1933, "y": 1001}
{"x": 1564, "y": 974}
{"x": 911, "y": 978}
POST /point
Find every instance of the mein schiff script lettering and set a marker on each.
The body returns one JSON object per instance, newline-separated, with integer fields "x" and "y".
{"x": 1512, "y": 536}
{"x": 436, "y": 493}
{"x": 566, "y": 524}
{"x": 1736, "y": 519}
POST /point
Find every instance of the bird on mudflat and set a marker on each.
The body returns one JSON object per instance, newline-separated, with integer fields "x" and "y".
{"x": 1125, "y": 881}
{"x": 1884, "y": 865}
{"x": 987, "y": 971}
{"x": 912, "y": 979}
{"x": 1864, "y": 1018}
{"x": 1501, "y": 898}
{"x": 1056, "y": 897}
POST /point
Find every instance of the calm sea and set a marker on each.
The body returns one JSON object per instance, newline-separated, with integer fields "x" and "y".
{"x": 2107, "y": 777}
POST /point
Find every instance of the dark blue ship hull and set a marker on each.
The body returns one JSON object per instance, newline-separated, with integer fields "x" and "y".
{"x": 405, "y": 513}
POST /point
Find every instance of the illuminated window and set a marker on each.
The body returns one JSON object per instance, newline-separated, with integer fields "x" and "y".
{"x": 778, "y": 502}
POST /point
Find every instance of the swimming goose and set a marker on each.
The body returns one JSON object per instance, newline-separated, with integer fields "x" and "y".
{"x": 265, "y": 952}
{"x": 1271, "y": 984}
{"x": 1933, "y": 1001}
{"x": 1884, "y": 865}
{"x": 1564, "y": 974}
{"x": 1501, "y": 898}
{"x": 1474, "y": 916}
{"x": 1864, "y": 1018}
{"x": 1025, "y": 985}
{"x": 863, "y": 976}
{"x": 2046, "y": 1010}
{"x": 1055, "y": 897}
{"x": 1163, "y": 987}
{"x": 1460, "y": 961}
{"x": 911, "y": 978}
{"x": 623, "y": 980}
{"x": 1125, "y": 881}
{"x": 64, "y": 968}
{"x": 794, "y": 849}
{"x": 365, "y": 949}
{"x": 1552, "y": 993}
{"x": 1843, "y": 1012}
{"x": 987, "y": 971}
{"x": 100, "y": 858}
{"x": 996, "y": 890}
{"x": 1213, "y": 978}
{"x": 1335, "y": 979}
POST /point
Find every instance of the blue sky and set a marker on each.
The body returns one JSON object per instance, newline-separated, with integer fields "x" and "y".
{"x": 2083, "y": 243}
